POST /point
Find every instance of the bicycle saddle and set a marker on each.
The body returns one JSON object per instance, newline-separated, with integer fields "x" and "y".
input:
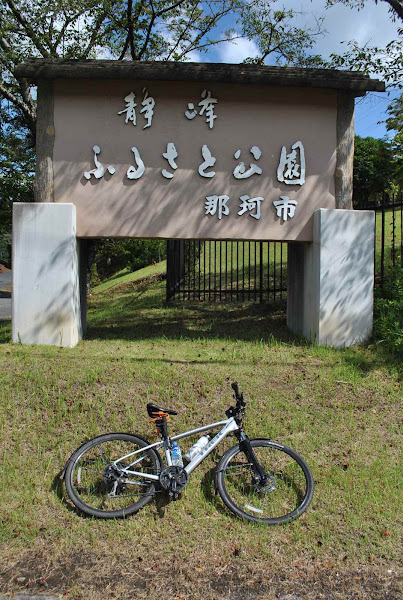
{"x": 152, "y": 409}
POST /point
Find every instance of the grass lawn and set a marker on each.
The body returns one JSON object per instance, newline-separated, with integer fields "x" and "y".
{"x": 338, "y": 408}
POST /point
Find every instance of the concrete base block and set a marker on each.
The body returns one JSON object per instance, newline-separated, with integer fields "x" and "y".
{"x": 47, "y": 305}
{"x": 330, "y": 282}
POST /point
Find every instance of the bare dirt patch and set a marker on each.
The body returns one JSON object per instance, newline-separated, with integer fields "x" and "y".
{"x": 80, "y": 575}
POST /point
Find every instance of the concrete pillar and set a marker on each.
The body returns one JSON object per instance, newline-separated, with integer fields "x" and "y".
{"x": 330, "y": 282}
{"x": 47, "y": 305}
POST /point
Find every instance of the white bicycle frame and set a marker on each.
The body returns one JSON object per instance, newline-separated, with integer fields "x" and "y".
{"x": 229, "y": 425}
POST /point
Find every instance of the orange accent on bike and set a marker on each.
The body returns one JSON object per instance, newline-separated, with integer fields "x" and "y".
{"x": 159, "y": 416}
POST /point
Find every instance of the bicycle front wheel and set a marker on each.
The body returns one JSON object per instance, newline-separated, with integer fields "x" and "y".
{"x": 97, "y": 478}
{"x": 285, "y": 495}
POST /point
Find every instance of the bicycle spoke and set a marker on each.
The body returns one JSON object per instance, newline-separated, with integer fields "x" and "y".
{"x": 282, "y": 493}
{"x": 98, "y": 478}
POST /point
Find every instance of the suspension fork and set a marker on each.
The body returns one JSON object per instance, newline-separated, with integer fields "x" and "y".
{"x": 246, "y": 447}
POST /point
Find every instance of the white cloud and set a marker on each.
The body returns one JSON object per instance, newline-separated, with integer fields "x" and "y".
{"x": 194, "y": 56}
{"x": 372, "y": 24}
{"x": 236, "y": 51}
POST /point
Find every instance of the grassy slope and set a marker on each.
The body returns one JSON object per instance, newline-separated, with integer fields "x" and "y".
{"x": 126, "y": 276}
{"x": 339, "y": 409}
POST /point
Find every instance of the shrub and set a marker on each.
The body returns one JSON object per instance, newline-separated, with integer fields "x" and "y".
{"x": 388, "y": 321}
{"x": 112, "y": 255}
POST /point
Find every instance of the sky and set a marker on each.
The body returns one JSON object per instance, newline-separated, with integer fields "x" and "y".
{"x": 372, "y": 25}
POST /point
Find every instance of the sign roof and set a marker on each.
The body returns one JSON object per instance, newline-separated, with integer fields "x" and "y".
{"x": 356, "y": 82}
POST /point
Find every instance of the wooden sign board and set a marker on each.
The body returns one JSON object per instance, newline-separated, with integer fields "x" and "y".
{"x": 204, "y": 157}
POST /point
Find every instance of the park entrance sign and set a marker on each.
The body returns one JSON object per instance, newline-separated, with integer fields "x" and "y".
{"x": 197, "y": 151}
{"x": 194, "y": 160}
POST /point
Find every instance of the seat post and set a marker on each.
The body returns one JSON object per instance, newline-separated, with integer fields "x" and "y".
{"x": 165, "y": 439}
{"x": 164, "y": 432}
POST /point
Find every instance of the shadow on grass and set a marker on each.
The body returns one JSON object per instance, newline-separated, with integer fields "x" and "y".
{"x": 140, "y": 315}
{"x": 57, "y": 488}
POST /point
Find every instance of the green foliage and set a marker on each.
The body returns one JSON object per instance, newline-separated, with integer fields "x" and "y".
{"x": 145, "y": 252}
{"x": 387, "y": 62}
{"x": 17, "y": 165}
{"x": 276, "y": 37}
{"x": 388, "y": 321}
{"x": 384, "y": 63}
{"x": 395, "y": 123}
{"x": 373, "y": 168}
{"x": 146, "y": 30}
{"x": 113, "y": 255}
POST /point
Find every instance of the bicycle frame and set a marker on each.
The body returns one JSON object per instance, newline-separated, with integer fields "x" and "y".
{"x": 229, "y": 425}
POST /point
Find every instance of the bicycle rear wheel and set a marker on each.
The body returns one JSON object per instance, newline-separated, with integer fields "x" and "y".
{"x": 96, "y": 482}
{"x": 284, "y": 497}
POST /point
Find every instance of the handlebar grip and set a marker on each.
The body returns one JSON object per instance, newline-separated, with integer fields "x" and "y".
{"x": 235, "y": 388}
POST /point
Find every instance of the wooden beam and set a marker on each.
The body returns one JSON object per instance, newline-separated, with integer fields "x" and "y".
{"x": 34, "y": 69}
{"x": 343, "y": 175}
{"x": 45, "y": 138}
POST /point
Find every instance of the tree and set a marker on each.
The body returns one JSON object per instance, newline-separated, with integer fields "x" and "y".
{"x": 395, "y": 6}
{"x": 17, "y": 166}
{"x": 395, "y": 123}
{"x": 384, "y": 62}
{"x": 139, "y": 30}
{"x": 373, "y": 169}
{"x": 120, "y": 29}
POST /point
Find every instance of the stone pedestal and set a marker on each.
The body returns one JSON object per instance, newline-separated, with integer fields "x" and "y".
{"x": 48, "y": 303}
{"x": 330, "y": 282}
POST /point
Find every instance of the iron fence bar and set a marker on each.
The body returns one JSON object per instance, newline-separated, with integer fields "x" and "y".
{"x": 268, "y": 272}
{"x": 274, "y": 265}
{"x": 232, "y": 272}
{"x": 261, "y": 273}
{"x": 215, "y": 267}
{"x": 204, "y": 270}
{"x": 393, "y": 232}
{"x": 237, "y": 271}
{"x": 209, "y": 270}
{"x": 383, "y": 240}
{"x": 375, "y": 248}
{"x": 220, "y": 268}
{"x": 248, "y": 265}
{"x": 190, "y": 264}
{"x": 169, "y": 273}
{"x": 199, "y": 257}
{"x": 243, "y": 267}
{"x": 255, "y": 268}
{"x": 194, "y": 269}
{"x": 281, "y": 270}
{"x": 226, "y": 264}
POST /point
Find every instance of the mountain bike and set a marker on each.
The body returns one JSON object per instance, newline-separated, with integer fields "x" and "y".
{"x": 115, "y": 475}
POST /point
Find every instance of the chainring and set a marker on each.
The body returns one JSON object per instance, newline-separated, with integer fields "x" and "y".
{"x": 173, "y": 478}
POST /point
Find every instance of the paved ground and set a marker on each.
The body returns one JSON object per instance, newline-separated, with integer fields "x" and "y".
{"x": 5, "y": 297}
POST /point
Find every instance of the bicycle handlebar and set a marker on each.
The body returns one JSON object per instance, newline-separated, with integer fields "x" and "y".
{"x": 236, "y": 390}
{"x": 238, "y": 410}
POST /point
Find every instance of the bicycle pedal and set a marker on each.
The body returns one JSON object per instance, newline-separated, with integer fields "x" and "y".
{"x": 175, "y": 496}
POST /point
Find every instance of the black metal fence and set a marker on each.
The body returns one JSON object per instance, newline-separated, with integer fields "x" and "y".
{"x": 226, "y": 271}
{"x": 257, "y": 271}
{"x": 388, "y": 232}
